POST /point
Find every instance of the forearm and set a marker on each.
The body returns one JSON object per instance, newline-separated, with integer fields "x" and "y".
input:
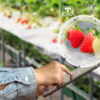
{"x": 16, "y": 82}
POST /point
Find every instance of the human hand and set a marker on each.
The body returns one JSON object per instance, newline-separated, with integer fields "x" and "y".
{"x": 51, "y": 74}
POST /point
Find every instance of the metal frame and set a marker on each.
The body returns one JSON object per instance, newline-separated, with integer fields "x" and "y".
{"x": 24, "y": 53}
{"x": 19, "y": 60}
{"x": 61, "y": 60}
{"x": 3, "y": 51}
{"x": 2, "y": 47}
{"x": 91, "y": 88}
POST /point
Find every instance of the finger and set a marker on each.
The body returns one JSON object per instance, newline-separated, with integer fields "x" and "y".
{"x": 62, "y": 78}
{"x": 63, "y": 75}
{"x": 66, "y": 70}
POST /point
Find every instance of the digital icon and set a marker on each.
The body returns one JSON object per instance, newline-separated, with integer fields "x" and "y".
{"x": 50, "y": 49}
{"x": 52, "y": 25}
{"x": 67, "y": 10}
{"x": 93, "y": 8}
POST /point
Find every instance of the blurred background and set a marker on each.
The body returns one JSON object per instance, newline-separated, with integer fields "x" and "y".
{"x": 28, "y": 37}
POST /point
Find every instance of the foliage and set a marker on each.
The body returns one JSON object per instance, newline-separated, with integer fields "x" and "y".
{"x": 31, "y": 50}
{"x": 83, "y": 84}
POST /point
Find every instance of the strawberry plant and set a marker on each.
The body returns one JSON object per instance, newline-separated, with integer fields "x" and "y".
{"x": 83, "y": 84}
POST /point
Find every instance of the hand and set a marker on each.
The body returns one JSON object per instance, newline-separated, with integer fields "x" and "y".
{"x": 40, "y": 90}
{"x": 51, "y": 74}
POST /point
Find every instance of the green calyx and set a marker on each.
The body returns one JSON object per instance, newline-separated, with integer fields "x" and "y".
{"x": 97, "y": 33}
{"x": 77, "y": 27}
{"x": 94, "y": 29}
{"x": 89, "y": 30}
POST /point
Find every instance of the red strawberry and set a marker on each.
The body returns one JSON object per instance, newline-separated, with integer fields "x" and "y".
{"x": 29, "y": 26}
{"x": 76, "y": 37}
{"x": 24, "y": 21}
{"x": 87, "y": 43}
{"x": 18, "y": 19}
{"x": 54, "y": 40}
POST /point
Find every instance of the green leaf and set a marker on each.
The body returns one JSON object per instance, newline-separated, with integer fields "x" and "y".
{"x": 97, "y": 33}
{"x": 82, "y": 30}
{"x": 88, "y": 28}
{"x": 77, "y": 26}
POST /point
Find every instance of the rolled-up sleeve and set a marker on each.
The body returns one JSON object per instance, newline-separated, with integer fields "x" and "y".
{"x": 22, "y": 81}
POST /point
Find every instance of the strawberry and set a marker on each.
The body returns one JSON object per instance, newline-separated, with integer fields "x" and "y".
{"x": 22, "y": 22}
{"x": 29, "y": 26}
{"x": 25, "y": 21}
{"x": 19, "y": 19}
{"x": 87, "y": 43}
{"x": 54, "y": 40}
{"x": 76, "y": 37}
{"x": 96, "y": 45}
{"x": 9, "y": 15}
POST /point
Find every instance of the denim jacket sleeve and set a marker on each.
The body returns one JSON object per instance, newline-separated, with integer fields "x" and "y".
{"x": 22, "y": 81}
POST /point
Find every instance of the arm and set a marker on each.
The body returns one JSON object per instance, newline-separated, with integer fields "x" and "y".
{"x": 22, "y": 81}
{"x": 16, "y": 82}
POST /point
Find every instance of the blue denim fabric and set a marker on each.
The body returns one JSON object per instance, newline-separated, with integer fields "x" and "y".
{"x": 22, "y": 81}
